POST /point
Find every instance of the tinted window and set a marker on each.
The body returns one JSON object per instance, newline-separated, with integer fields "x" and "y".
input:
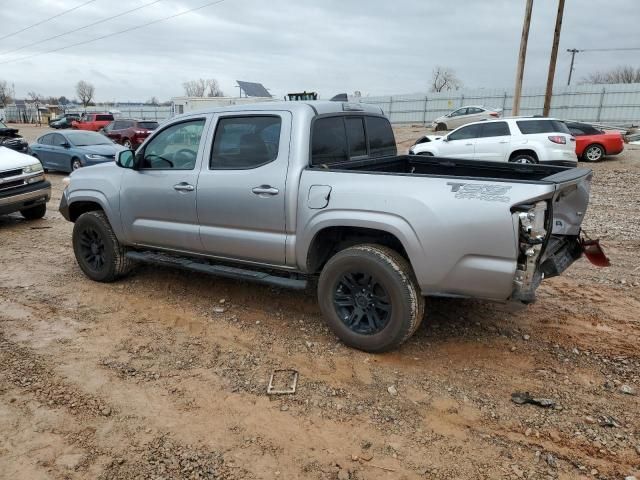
{"x": 147, "y": 125}
{"x": 464, "y": 133}
{"x": 382, "y": 143}
{"x": 82, "y": 138}
{"x": 58, "y": 140}
{"x": 245, "y": 142}
{"x": 329, "y": 141}
{"x": 495, "y": 129}
{"x": 104, "y": 117}
{"x": 175, "y": 148}
{"x": 541, "y": 126}
{"x": 471, "y": 110}
{"x": 356, "y": 136}
{"x": 45, "y": 139}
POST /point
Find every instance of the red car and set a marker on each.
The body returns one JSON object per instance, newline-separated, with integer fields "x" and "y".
{"x": 130, "y": 133}
{"x": 593, "y": 144}
{"x": 92, "y": 121}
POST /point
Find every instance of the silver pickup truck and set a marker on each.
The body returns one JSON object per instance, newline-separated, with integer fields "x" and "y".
{"x": 281, "y": 193}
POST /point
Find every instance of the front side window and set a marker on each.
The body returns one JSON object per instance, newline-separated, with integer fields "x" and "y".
{"x": 495, "y": 129}
{"x": 175, "y": 148}
{"x": 102, "y": 118}
{"x": 459, "y": 112}
{"x": 465, "y": 133}
{"x": 329, "y": 141}
{"x": 246, "y": 142}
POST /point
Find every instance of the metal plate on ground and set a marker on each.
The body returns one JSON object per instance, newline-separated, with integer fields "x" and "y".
{"x": 283, "y": 382}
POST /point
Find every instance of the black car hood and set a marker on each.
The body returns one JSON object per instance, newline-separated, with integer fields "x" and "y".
{"x": 9, "y": 132}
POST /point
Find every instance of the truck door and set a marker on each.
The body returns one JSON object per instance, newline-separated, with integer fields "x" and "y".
{"x": 241, "y": 189}
{"x": 158, "y": 200}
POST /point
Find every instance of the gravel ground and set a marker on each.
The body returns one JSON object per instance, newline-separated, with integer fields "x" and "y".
{"x": 164, "y": 374}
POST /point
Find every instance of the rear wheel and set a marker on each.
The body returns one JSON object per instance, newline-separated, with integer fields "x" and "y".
{"x": 370, "y": 298}
{"x": 97, "y": 250}
{"x": 34, "y": 213}
{"x": 523, "y": 158}
{"x": 593, "y": 153}
{"x": 76, "y": 164}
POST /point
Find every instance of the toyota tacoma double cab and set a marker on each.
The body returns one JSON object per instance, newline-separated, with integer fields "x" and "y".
{"x": 23, "y": 187}
{"x": 297, "y": 193}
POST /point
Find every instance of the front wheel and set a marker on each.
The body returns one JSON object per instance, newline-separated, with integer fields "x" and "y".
{"x": 441, "y": 127}
{"x": 97, "y": 250}
{"x": 76, "y": 164}
{"x": 127, "y": 144}
{"x": 370, "y": 298}
{"x": 34, "y": 213}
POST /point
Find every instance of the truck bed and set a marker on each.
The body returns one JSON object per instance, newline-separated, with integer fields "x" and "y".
{"x": 447, "y": 167}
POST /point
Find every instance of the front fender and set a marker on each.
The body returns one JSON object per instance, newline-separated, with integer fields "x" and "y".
{"x": 110, "y": 208}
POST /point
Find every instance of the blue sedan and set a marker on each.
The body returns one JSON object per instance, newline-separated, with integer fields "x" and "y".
{"x": 68, "y": 151}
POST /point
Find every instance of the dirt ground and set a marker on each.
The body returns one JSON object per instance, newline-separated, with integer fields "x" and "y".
{"x": 163, "y": 375}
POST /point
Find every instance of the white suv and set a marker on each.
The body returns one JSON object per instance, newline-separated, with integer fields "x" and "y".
{"x": 519, "y": 140}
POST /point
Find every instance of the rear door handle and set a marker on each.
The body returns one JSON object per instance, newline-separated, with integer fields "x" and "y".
{"x": 184, "y": 187}
{"x": 265, "y": 190}
{"x": 505, "y": 141}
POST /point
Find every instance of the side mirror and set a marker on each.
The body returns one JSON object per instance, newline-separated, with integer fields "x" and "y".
{"x": 126, "y": 159}
{"x": 445, "y": 139}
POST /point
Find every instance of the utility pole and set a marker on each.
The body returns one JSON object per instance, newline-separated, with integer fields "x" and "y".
{"x": 573, "y": 52}
{"x": 521, "y": 58}
{"x": 552, "y": 60}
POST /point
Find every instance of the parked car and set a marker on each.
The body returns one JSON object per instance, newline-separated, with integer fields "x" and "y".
{"x": 284, "y": 192}
{"x": 516, "y": 140}
{"x": 92, "y": 121}
{"x": 23, "y": 186}
{"x": 64, "y": 121}
{"x": 129, "y": 133}
{"x": 463, "y": 116}
{"x": 592, "y": 144}
{"x": 70, "y": 150}
{"x": 10, "y": 138}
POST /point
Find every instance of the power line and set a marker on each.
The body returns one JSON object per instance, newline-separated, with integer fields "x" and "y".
{"x": 80, "y": 28}
{"x": 142, "y": 25}
{"x": 47, "y": 19}
{"x": 573, "y": 52}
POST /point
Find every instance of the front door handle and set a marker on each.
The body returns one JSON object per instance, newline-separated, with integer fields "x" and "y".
{"x": 469, "y": 144}
{"x": 184, "y": 187}
{"x": 265, "y": 190}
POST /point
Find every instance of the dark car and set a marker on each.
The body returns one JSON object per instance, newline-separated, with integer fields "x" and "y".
{"x": 64, "y": 121}
{"x": 72, "y": 149}
{"x": 128, "y": 132}
{"x": 9, "y": 138}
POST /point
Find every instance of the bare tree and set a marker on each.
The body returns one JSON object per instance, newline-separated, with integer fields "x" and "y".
{"x": 5, "y": 93}
{"x": 153, "y": 101}
{"x": 85, "y": 92}
{"x": 443, "y": 79}
{"x": 35, "y": 97}
{"x": 202, "y": 88}
{"x": 620, "y": 74}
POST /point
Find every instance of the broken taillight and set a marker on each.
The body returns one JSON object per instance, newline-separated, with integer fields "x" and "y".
{"x": 558, "y": 139}
{"x": 594, "y": 252}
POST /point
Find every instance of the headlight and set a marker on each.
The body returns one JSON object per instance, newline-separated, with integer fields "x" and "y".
{"x": 33, "y": 168}
{"x": 91, "y": 156}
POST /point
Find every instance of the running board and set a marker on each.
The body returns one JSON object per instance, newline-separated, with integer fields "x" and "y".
{"x": 219, "y": 270}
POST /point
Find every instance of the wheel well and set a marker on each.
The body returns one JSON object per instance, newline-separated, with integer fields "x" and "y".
{"x": 78, "y": 208}
{"x": 523, "y": 152}
{"x": 594, "y": 144}
{"x": 331, "y": 240}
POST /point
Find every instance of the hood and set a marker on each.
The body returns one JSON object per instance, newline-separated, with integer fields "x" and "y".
{"x": 10, "y": 159}
{"x": 108, "y": 150}
{"x": 9, "y": 132}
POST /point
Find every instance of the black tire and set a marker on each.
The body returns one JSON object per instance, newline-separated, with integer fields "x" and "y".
{"x": 593, "y": 153}
{"x": 34, "y": 213}
{"x": 75, "y": 164}
{"x": 524, "y": 158}
{"x": 127, "y": 144}
{"x": 389, "y": 276}
{"x": 441, "y": 127}
{"x": 97, "y": 250}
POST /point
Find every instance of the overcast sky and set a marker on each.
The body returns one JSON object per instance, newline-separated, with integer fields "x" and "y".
{"x": 330, "y": 46}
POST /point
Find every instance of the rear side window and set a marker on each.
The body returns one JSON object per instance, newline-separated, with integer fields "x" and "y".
{"x": 541, "y": 126}
{"x": 242, "y": 143}
{"x": 329, "y": 141}
{"x": 382, "y": 143}
{"x": 104, "y": 117}
{"x": 356, "y": 137}
{"x": 495, "y": 129}
{"x": 46, "y": 139}
{"x": 147, "y": 125}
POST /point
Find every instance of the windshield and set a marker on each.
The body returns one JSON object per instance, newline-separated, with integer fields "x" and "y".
{"x": 82, "y": 139}
{"x": 148, "y": 125}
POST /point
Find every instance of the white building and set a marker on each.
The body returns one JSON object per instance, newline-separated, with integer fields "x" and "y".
{"x": 189, "y": 104}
